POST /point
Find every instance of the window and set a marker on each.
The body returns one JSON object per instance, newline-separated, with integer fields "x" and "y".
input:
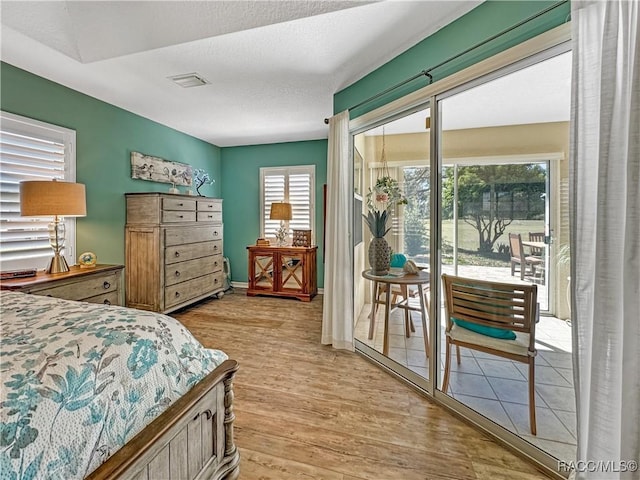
{"x": 31, "y": 150}
{"x": 294, "y": 185}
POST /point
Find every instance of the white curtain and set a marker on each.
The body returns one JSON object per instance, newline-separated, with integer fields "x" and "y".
{"x": 337, "y": 315}
{"x": 605, "y": 229}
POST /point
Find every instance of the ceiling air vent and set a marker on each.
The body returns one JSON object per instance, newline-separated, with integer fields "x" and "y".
{"x": 188, "y": 80}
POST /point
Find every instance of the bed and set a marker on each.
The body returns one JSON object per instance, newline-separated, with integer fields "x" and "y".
{"x": 102, "y": 392}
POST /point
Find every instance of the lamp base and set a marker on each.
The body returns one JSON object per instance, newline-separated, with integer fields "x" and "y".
{"x": 281, "y": 236}
{"x": 58, "y": 264}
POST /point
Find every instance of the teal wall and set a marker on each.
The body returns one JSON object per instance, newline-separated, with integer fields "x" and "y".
{"x": 105, "y": 137}
{"x": 481, "y": 23}
{"x": 241, "y": 194}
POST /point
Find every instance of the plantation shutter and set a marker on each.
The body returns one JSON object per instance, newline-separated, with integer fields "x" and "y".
{"x": 274, "y": 191}
{"x": 294, "y": 185}
{"x": 29, "y": 151}
{"x": 300, "y": 200}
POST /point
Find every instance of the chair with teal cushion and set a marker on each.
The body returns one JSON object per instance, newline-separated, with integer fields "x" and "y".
{"x": 484, "y": 330}
{"x": 495, "y": 318}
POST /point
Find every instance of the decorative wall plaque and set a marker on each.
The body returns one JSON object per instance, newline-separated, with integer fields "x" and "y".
{"x": 155, "y": 169}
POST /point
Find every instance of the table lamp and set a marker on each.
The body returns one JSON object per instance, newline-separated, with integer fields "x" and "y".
{"x": 60, "y": 199}
{"x": 281, "y": 211}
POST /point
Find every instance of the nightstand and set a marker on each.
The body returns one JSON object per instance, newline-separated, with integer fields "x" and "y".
{"x": 282, "y": 271}
{"x": 100, "y": 284}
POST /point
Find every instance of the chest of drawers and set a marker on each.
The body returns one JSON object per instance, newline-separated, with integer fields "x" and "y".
{"x": 173, "y": 250}
{"x": 100, "y": 284}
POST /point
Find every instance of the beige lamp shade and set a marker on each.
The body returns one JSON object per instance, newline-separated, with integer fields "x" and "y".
{"x": 44, "y": 198}
{"x": 280, "y": 211}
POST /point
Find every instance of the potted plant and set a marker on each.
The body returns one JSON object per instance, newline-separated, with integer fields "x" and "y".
{"x": 379, "y": 249}
{"x": 384, "y": 195}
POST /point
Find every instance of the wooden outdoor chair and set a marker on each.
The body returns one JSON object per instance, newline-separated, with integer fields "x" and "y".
{"x": 536, "y": 237}
{"x": 489, "y": 310}
{"x": 518, "y": 257}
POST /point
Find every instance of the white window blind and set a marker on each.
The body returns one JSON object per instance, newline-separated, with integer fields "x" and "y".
{"x": 31, "y": 150}
{"x": 295, "y": 185}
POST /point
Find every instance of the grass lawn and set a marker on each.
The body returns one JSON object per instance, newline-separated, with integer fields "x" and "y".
{"x": 468, "y": 243}
{"x": 468, "y": 235}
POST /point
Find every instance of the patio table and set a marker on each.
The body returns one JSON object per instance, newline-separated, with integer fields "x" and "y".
{"x": 397, "y": 276}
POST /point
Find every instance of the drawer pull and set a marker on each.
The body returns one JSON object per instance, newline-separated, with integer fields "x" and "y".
{"x": 181, "y": 204}
{"x": 215, "y": 233}
{"x": 177, "y": 294}
{"x": 177, "y": 273}
{"x": 177, "y": 254}
{"x": 106, "y": 285}
{"x": 215, "y": 247}
{"x": 106, "y": 301}
{"x": 215, "y": 264}
{"x": 215, "y": 280}
{"x": 180, "y": 216}
{"x": 209, "y": 216}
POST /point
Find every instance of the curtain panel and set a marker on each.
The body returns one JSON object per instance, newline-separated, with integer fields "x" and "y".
{"x": 605, "y": 236}
{"x": 337, "y": 313}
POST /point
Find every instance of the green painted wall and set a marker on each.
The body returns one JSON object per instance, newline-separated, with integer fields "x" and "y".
{"x": 476, "y": 26}
{"x": 105, "y": 137}
{"x": 241, "y": 194}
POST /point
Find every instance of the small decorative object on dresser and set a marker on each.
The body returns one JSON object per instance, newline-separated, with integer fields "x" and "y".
{"x": 301, "y": 238}
{"x": 87, "y": 260}
{"x": 201, "y": 178}
{"x": 173, "y": 250}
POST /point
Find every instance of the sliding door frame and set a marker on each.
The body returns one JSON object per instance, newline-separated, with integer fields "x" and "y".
{"x": 546, "y": 45}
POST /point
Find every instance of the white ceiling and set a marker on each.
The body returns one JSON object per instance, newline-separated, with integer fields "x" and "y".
{"x": 273, "y": 65}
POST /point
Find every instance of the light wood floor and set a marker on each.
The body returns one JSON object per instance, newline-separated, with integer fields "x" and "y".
{"x": 307, "y": 411}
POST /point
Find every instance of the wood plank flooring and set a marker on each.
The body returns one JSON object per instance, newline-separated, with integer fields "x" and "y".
{"x": 307, "y": 411}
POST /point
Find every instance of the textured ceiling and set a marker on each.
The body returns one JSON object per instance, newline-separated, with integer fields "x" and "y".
{"x": 273, "y": 66}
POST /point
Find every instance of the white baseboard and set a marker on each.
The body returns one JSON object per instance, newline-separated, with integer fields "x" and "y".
{"x": 245, "y": 285}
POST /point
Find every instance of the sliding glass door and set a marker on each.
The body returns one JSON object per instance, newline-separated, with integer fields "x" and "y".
{"x": 394, "y": 157}
{"x": 483, "y": 170}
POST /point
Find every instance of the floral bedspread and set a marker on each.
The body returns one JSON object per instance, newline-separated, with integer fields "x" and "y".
{"x": 79, "y": 380}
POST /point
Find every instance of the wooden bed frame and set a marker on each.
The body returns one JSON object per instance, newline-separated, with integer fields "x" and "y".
{"x": 191, "y": 440}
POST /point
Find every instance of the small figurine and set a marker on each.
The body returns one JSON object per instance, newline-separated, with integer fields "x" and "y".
{"x": 200, "y": 178}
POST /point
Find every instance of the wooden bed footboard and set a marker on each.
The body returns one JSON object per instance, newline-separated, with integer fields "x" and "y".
{"x": 191, "y": 440}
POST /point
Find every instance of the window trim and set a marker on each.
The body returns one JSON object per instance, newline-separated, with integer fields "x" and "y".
{"x": 288, "y": 170}
{"x": 36, "y": 128}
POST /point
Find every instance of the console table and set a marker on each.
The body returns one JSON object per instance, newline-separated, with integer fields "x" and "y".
{"x": 283, "y": 271}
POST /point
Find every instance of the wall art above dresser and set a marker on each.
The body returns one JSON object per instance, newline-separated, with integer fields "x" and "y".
{"x": 155, "y": 169}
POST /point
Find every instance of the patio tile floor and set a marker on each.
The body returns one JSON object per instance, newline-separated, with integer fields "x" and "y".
{"x": 495, "y": 387}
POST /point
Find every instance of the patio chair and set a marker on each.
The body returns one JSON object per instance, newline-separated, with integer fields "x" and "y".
{"x": 518, "y": 257}
{"x": 536, "y": 237}
{"x": 495, "y": 318}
